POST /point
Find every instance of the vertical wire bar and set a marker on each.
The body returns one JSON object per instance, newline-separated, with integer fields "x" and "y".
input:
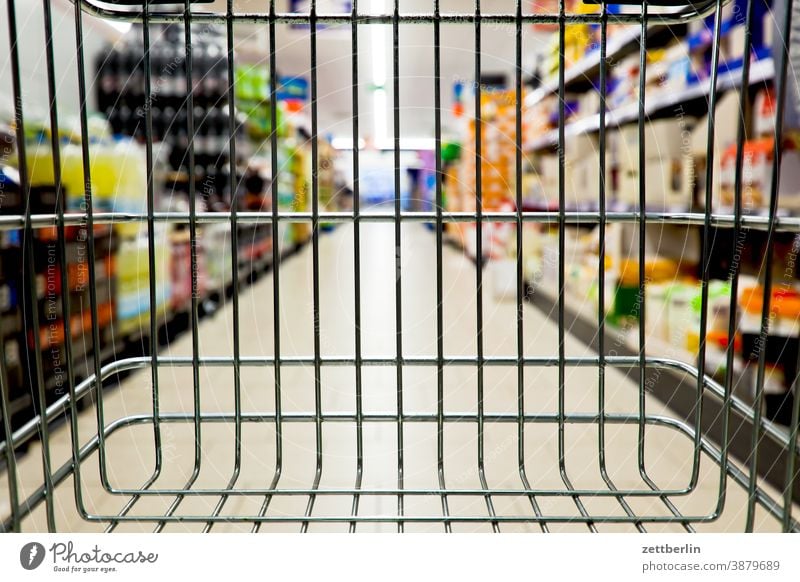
{"x": 730, "y": 353}
{"x": 791, "y": 462}
{"x": 31, "y": 314}
{"x": 10, "y": 457}
{"x": 151, "y": 262}
{"x": 706, "y": 242}
{"x": 315, "y": 261}
{"x": 780, "y": 96}
{"x": 276, "y": 258}
{"x": 398, "y": 307}
{"x": 198, "y": 451}
{"x": 561, "y": 233}
{"x": 642, "y": 223}
{"x": 601, "y": 274}
{"x": 88, "y": 201}
{"x": 189, "y": 56}
{"x": 237, "y": 383}
{"x": 520, "y": 274}
{"x": 66, "y": 301}
{"x": 356, "y": 265}
{"x": 437, "y": 109}
{"x": 151, "y": 231}
{"x": 601, "y": 264}
{"x": 562, "y": 243}
{"x": 479, "y": 261}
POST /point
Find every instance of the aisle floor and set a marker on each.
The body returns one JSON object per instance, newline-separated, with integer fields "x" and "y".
{"x": 130, "y": 456}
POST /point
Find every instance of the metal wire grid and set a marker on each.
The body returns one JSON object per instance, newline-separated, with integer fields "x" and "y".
{"x": 745, "y": 477}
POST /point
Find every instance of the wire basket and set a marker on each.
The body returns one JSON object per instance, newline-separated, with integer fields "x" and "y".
{"x": 294, "y": 462}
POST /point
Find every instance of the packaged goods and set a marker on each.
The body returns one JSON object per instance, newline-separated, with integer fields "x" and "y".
{"x": 668, "y": 184}
{"x": 781, "y": 346}
{"x": 758, "y": 157}
{"x": 133, "y": 310}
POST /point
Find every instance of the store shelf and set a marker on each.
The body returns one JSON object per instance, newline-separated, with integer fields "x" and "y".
{"x": 630, "y": 337}
{"x": 676, "y": 389}
{"x": 760, "y": 71}
{"x": 618, "y": 45}
{"x": 19, "y": 404}
{"x": 587, "y": 67}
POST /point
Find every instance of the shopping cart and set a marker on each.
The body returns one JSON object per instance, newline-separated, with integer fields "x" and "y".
{"x": 765, "y": 477}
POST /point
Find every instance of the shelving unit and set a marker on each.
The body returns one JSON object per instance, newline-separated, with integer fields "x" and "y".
{"x": 589, "y": 65}
{"x": 619, "y": 45}
{"x": 677, "y": 390}
{"x": 116, "y": 139}
{"x": 760, "y": 71}
{"x": 540, "y": 193}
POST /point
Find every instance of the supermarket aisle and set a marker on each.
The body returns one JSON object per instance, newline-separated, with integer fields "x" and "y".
{"x": 131, "y": 451}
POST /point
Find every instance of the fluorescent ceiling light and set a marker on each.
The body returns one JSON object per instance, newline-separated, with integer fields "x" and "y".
{"x": 378, "y": 43}
{"x": 378, "y": 58}
{"x": 380, "y": 130}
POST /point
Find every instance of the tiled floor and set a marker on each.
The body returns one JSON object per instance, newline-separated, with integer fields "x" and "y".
{"x": 130, "y": 456}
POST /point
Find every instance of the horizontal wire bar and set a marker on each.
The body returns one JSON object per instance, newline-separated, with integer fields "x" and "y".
{"x": 675, "y": 17}
{"x": 134, "y": 363}
{"x": 587, "y": 217}
{"x": 734, "y": 472}
{"x": 407, "y": 519}
{"x": 577, "y": 418}
{"x": 522, "y": 492}
{"x": 25, "y": 432}
{"x": 737, "y": 474}
{"x": 389, "y": 417}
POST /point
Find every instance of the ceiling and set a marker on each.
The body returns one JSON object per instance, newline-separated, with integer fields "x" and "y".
{"x": 334, "y": 60}
{"x": 416, "y": 62}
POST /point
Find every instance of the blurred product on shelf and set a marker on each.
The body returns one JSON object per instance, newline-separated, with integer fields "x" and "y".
{"x": 299, "y": 167}
{"x": 121, "y": 97}
{"x": 255, "y": 240}
{"x": 497, "y": 161}
{"x": 780, "y": 350}
{"x": 499, "y": 248}
{"x": 669, "y": 69}
{"x": 665, "y": 186}
{"x": 12, "y": 336}
{"x": 180, "y": 274}
{"x": 133, "y": 288}
{"x": 581, "y": 178}
{"x": 758, "y": 155}
{"x": 253, "y": 101}
{"x": 579, "y": 39}
{"x": 623, "y": 87}
{"x": 326, "y": 178}
{"x": 498, "y": 132}
{"x": 216, "y": 248}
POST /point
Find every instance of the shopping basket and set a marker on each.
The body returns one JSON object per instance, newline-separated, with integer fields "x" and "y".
{"x": 736, "y": 461}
